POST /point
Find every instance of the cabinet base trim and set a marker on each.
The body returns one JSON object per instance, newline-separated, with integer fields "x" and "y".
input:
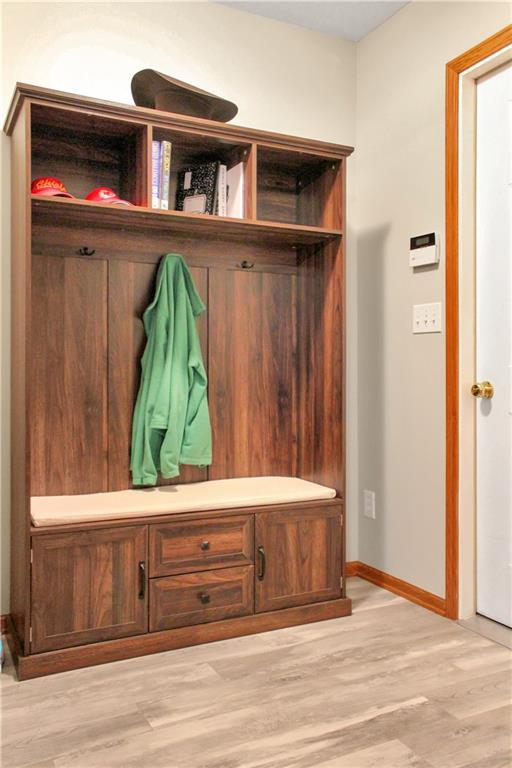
{"x": 40, "y": 664}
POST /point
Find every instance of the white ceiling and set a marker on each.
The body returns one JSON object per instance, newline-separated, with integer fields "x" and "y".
{"x": 350, "y": 20}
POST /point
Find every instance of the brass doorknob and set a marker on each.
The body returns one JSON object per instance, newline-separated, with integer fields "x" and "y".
{"x": 482, "y": 389}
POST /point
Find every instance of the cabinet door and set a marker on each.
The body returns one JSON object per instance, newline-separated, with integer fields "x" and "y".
{"x": 88, "y": 586}
{"x": 298, "y": 557}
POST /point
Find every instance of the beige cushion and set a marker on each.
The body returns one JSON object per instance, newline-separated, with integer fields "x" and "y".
{"x": 172, "y": 499}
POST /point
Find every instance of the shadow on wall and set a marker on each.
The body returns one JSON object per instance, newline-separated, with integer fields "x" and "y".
{"x": 371, "y": 395}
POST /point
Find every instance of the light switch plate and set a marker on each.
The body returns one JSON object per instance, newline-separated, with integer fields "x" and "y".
{"x": 427, "y": 318}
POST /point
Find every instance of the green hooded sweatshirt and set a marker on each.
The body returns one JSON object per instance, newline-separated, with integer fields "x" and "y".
{"x": 171, "y": 423}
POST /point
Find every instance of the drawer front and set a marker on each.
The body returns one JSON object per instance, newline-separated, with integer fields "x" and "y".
{"x": 201, "y": 545}
{"x": 196, "y": 598}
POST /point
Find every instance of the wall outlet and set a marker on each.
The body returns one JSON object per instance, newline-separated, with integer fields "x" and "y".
{"x": 369, "y": 504}
{"x": 426, "y": 318}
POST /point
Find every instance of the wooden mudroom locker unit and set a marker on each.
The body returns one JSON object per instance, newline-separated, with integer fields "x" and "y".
{"x": 273, "y": 345}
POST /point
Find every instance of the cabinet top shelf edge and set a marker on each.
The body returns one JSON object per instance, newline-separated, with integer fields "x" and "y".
{"x": 139, "y": 216}
{"x": 161, "y": 119}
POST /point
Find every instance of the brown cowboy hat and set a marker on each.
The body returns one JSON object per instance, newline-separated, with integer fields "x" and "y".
{"x": 158, "y": 91}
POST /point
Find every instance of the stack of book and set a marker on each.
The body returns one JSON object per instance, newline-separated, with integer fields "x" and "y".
{"x": 161, "y": 174}
{"x": 210, "y": 188}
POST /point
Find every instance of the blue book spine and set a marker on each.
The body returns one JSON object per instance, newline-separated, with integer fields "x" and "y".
{"x": 156, "y": 160}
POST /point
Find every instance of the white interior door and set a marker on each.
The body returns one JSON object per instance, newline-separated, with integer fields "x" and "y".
{"x": 494, "y": 344}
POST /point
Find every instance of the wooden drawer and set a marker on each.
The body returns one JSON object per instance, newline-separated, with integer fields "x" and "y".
{"x": 201, "y": 545}
{"x": 196, "y": 598}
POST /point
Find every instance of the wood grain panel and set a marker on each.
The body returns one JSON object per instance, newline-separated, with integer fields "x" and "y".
{"x": 301, "y": 558}
{"x": 87, "y": 587}
{"x": 321, "y": 305}
{"x": 69, "y": 434}
{"x": 21, "y": 340}
{"x": 252, "y": 392}
{"x": 114, "y": 242}
{"x": 321, "y": 354}
{"x": 201, "y": 545}
{"x": 197, "y": 598}
{"x": 131, "y": 289}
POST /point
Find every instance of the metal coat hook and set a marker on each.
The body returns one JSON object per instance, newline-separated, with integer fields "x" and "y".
{"x": 247, "y": 264}
{"x": 86, "y": 251}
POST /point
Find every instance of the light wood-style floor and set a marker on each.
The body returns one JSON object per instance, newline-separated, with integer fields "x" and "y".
{"x": 393, "y": 686}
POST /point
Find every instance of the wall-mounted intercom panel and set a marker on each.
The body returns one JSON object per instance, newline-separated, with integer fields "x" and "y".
{"x": 424, "y": 249}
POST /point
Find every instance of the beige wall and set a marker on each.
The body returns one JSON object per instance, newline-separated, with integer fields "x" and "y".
{"x": 283, "y": 78}
{"x": 400, "y": 192}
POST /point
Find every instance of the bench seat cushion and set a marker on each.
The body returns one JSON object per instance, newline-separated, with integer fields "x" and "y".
{"x": 173, "y": 499}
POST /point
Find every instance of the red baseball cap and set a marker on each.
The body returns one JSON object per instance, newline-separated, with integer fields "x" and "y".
{"x": 49, "y": 186}
{"x": 105, "y": 195}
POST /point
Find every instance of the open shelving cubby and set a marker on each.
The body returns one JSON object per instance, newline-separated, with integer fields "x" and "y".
{"x": 190, "y": 149}
{"x": 296, "y": 187}
{"x": 86, "y": 151}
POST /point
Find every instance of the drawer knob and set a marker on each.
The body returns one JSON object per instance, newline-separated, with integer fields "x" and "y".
{"x": 205, "y": 545}
{"x": 204, "y": 598}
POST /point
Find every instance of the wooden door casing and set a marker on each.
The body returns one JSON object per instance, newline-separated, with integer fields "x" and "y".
{"x": 301, "y": 559}
{"x": 88, "y": 586}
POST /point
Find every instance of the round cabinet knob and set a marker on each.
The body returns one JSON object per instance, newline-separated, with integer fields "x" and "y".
{"x": 205, "y": 545}
{"x": 204, "y": 598}
{"x": 482, "y": 389}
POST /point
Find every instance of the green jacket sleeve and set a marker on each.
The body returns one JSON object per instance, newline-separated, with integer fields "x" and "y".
{"x": 171, "y": 423}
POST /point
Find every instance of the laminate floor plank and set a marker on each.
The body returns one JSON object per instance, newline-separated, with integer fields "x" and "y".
{"x": 455, "y": 743}
{"x": 393, "y": 686}
{"x": 390, "y": 754}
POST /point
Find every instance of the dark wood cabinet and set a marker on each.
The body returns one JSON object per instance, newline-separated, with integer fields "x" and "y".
{"x": 298, "y": 557}
{"x": 88, "y": 586}
{"x": 273, "y": 282}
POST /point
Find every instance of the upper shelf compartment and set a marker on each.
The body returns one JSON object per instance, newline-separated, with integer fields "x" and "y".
{"x": 191, "y": 150}
{"x": 299, "y": 188}
{"x": 292, "y": 189}
{"x": 86, "y": 151}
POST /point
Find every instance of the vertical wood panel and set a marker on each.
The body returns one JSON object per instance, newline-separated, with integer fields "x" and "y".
{"x": 131, "y": 289}
{"x": 131, "y": 286}
{"x": 20, "y": 375}
{"x": 69, "y": 437}
{"x": 250, "y": 184}
{"x": 252, "y": 354}
{"x": 321, "y": 452}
